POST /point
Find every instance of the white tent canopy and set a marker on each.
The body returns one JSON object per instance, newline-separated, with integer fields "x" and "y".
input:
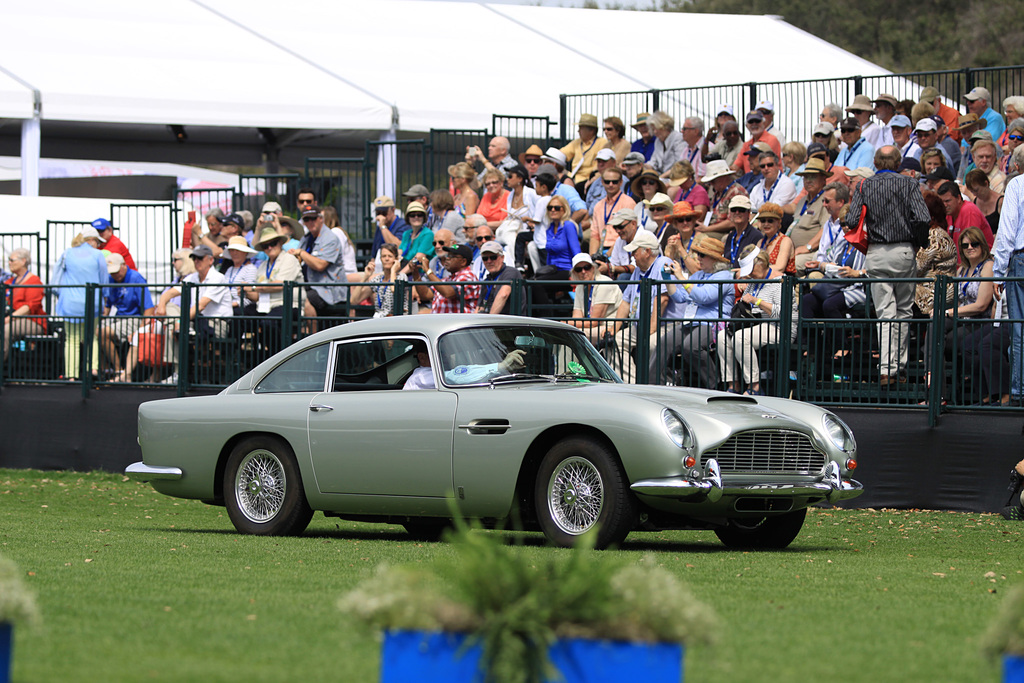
{"x": 307, "y": 72}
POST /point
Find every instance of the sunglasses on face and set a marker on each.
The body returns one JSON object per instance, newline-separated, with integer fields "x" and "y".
{"x": 608, "y": 128}
{"x": 532, "y": 161}
{"x": 492, "y": 183}
{"x": 648, "y": 181}
{"x": 440, "y": 243}
{"x": 1016, "y": 138}
{"x": 971, "y": 245}
{"x": 738, "y": 210}
{"x": 489, "y": 257}
{"x": 616, "y": 182}
{"x": 554, "y": 208}
{"x": 659, "y": 209}
{"x": 767, "y": 166}
{"x": 582, "y": 268}
{"x": 484, "y": 238}
{"x": 381, "y": 212}
{"x": 304, "y": 201}
{"x": 310, "y": 219}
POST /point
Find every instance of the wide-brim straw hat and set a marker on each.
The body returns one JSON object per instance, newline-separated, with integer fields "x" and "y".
{"x": 297, "y": 230}
{"x": 712, "y": 247}
{"x": 716, "y": 169}
{"x": 269, "y": 236}
{"x": 635, "y": 185}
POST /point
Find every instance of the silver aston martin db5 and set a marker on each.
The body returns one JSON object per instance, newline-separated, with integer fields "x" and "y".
{"x": 511, "y": 421}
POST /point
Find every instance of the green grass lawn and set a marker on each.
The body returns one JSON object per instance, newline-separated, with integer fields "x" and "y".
{"x": 135, "y": 586}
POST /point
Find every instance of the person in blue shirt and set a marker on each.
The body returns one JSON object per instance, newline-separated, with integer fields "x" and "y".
{"x": 645, "y": 145}
{"x": 390, "y": 227}
{"x": 563, "y": 242}
{"x": 124, "y": 309}
{"x": 977, "y": 103}
{"x": 80, "y": 265}
{"x": 858, "y": 153}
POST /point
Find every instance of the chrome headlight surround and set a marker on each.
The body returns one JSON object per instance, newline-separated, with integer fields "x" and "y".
{"x": 840, "y": 435}
{"x": 677, "y": 430}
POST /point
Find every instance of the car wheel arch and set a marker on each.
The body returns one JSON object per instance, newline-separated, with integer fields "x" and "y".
{"x": 225, "y": 452}
{"x": 536, "y": 452}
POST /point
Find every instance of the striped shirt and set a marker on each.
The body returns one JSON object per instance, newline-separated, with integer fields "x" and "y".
{"x": 895, "y": 208}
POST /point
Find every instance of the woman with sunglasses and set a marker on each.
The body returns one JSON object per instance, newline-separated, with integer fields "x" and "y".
{"x": 593, "y": 305}
{"x": 1013, "y": 109}
{"x": 464, "y": 184}
{"x": 381, "y": 285}
{"x": 776, "y": 243}
{"x": 418, "y": 239}
{"x": 1014, "y": 135}
{"x": 680, "y": 245}
{"x": 683, "y": 187}
{"x": 561, "y": 245}
{"x": 644, "y": 187}
{"x": 520, "y": 205}
{"x": 615, "y": 137}
{"x": 493, "y": 204}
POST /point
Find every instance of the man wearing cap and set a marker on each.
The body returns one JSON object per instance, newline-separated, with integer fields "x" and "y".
{"x": 743, "y": 233}
{"x": 632, "y": 166}
{"x": 962, "y": 214}
{"x": 948, "y": 114}
{"x": 123, "y": 308}
{"x": 111, "y": 242}
{"x": 593, "y": 305}
{"x": 484, "y": 234}
{"x": 624, "y": 223}
{"x": 724, "y": 188}
{"x": 809, "y": 214}
{"x": 447, "y": 298}
{"x": 602, "y": 237}
{"x": 751, "y": 178}
{"x": 885, "y": 109}
{"x": 774, "y": 186}
{"x": 977, "y": 103}
{"x": 859, "y": 152}
{"x": 927, "y": 134}
{"x": 767, "y": 110}
{"x": 937, "y": 177}
{"x": 595, "y": 186}
{"x": 230, "y": 225}
{"x": 861, "y": 111}
{"x": 724, "y": 114}
{"x": 420, "y": 193}
{"x": 390, "y": 227}
{"x": 756, "y": 128}
{"x": 581, "y": 153}
{"x": 496, "y": 298}
{"x": 649, "y": 265}
{"x": 693, "y": 143}
{"x": 901, "y": 134}
{"x": 211, "y": 309}
{"x": 273, "y": 215}
{"x": 320, "y": 256}
{"x": 645, "y": 145}
{"x": 729, "y": 144}
{"x": 897, "y": 224}
{"x": 947, "y": 142}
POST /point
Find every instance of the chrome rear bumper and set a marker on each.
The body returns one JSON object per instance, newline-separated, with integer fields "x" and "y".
{"x": 140, "y": 471}
{"x": 708, "y": 486}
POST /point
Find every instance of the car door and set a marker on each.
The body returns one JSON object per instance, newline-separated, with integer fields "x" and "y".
{"x": 369, "y": 437}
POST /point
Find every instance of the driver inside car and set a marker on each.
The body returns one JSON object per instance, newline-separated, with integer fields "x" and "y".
{"x": 423, "y": 376}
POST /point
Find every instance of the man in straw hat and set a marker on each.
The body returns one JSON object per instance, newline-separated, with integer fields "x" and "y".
{"x": 809, "y": 213}
{"x": 861, "y": 110}
{"x": 723, "y": 185}
{"x": 581, "y": 153}
{"x": 645, "y": 145}
{"x": 693, "y": 311}
{"x": 885, "y": 109}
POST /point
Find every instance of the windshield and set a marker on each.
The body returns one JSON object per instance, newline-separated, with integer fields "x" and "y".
{"x": 481, "y": 355}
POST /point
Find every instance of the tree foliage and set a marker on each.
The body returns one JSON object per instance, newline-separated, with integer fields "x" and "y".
{"x": 902, "y": 37}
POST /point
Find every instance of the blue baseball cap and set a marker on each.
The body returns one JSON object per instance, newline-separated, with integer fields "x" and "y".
{"x": 102, "y": 224}
{"x": 899, "y": 121}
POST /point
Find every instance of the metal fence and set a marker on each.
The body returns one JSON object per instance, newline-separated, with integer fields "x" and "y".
{"x": 797, "y": 102}
{"x": 254, "y": 190}
{"x": 949, "y": 362}
{"x": 338, "y": 182}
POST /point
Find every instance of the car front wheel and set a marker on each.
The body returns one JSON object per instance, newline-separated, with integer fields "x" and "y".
{"x": 580, "y": 485}
{"x": 263, "y": 489}
{"x": 770, "y": 533}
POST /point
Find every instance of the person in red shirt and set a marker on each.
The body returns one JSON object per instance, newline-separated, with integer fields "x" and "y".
{"x": 961, "y": 214}
{"x": 111, "y": 242}
{"x": 26, "y": 315}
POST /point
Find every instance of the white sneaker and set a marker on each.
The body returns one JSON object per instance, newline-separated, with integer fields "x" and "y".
{"x": 173, "y": 379}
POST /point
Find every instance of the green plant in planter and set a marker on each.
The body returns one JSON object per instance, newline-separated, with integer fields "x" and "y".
{"x": 516, "y": 607}
{"x": 17, "y": 602}
{"x": 1005, "y": 635}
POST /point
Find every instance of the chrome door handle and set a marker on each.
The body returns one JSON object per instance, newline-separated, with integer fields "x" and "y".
{"x": 320, "y": 408}
{"x": 485, "y": 426}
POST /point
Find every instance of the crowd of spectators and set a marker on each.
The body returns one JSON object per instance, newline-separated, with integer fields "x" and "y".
{"x": 691, "y": 205}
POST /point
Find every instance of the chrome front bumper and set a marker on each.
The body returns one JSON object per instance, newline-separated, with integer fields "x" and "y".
{"x": 708, "y": 486}
{"x": 140, "y": 471}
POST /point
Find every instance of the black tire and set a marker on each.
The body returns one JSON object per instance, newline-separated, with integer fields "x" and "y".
{"x": 431, "y": 530}
{"x": 771, "y": 533}
{"x": 581, "y": 485}
{"x": 263, "y": 489}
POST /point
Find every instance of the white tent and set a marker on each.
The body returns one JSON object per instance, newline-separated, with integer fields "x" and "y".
{"x": 247, "y": 79}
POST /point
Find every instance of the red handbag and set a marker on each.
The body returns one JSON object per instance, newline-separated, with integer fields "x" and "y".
{"x": 858, "y": 237}
{"x": 151, "y": 345}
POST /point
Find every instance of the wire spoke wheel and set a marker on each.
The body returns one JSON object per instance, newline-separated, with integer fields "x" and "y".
{"x": 260, "y": 486}
{"x": 575, "y": 495}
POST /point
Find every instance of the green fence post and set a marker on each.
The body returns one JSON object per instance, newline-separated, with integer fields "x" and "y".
{"x": 3, "y": 337}
{"x": 89, "y": 331}
{"x": 287, "y": 313}
{"x": 785, "y": 338}
{"x": 184, "y": 325}
{"x": 936, "y": 348}
{"x": 643, "y": 332}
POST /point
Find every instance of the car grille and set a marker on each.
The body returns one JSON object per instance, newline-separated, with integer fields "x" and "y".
{"x": 775, "y": 451}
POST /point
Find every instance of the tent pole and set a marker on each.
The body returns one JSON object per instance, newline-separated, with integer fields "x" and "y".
{"x": 31, "y": 138}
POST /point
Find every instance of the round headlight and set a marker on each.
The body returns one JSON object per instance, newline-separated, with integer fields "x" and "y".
{"x": 677, "y": 429}
{"x": 838, "y": 433}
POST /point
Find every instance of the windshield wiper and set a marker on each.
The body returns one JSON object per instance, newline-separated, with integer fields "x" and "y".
{"x": 520, "y": 376}
{"x": 574, "y": 376}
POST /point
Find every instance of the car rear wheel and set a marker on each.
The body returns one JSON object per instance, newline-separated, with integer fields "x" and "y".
{"x": 580, "y": 485}
{"x": 767, "y": 534}
{"x": 263, "y": 489}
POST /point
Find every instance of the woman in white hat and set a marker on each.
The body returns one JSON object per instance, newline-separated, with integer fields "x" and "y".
{"x": 241, "y": 272}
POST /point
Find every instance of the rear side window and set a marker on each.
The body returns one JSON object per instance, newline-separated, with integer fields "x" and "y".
{"x": 374, "y": 364}
{"x": 305, "y": 371}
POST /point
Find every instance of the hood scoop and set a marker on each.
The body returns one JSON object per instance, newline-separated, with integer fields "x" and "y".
{"x": 732, "y": 398}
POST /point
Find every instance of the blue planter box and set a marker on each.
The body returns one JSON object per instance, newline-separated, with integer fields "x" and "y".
{"x": 6, "y": 646}
{"x": 1013, "y": 669}
{"x": 438, "y": 657}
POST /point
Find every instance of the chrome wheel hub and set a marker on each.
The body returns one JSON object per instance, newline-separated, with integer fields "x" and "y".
{"x": 260, "y": 486}
{"x": 575, "y": 495}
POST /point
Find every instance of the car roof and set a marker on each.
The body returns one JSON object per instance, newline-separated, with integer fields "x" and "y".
{"x": 430, "y": 325}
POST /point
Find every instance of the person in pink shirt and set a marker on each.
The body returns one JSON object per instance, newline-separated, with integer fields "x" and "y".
{"x": 961, "y": 214}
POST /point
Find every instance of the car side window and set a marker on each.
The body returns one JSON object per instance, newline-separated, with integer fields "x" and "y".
{"x": 373, "y": 364}
{"x": 305, "y": 371}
